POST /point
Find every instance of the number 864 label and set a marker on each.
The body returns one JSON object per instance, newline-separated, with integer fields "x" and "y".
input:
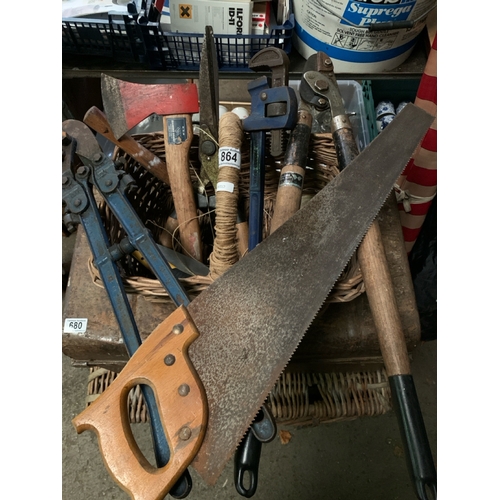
{"x": 229, "y": 157}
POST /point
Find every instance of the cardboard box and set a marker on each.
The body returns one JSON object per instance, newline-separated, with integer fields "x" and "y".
{"x": 231, "y": 18}
{"x": 261, "y": 15}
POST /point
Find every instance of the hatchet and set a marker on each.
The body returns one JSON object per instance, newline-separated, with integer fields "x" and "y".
{"x": 127, "y": 104}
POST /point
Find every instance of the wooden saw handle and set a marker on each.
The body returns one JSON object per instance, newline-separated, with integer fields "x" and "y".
{"x": 178, "y": 135}
{"x": 162, "y": 363}
{"x": 97, "y": 121}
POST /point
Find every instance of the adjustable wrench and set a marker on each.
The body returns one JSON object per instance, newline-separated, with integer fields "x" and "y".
{"x": 263, "y": 117}
{"x": 277, "y": 61}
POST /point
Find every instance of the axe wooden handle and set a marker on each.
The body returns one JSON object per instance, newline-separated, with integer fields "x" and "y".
{"x": 178, "y": 135}
{"x": 97, "y": 121}
{"x": 162, "y": 363}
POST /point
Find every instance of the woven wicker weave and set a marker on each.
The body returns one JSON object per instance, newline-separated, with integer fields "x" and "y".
{"x": 152, "y": 200}
{"x": 296, "y": 399}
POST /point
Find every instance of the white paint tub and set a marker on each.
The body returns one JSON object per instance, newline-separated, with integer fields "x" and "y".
{"x": 340, "y": 29}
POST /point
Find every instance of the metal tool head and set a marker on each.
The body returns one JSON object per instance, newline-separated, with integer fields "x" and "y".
{"x": 263, "y": 99}
{"x": 275, "y": 60}
{"x": 86, "y": 142}
{"x": 208, "y": 89}
{"x": 319, "y": 88}
{"x": 126, "y": 104}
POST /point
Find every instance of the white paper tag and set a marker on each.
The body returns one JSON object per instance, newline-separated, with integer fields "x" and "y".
{"x": 229, "y": 157}
{"x": 75, "y": 325}
{"x": 225, "y": 186}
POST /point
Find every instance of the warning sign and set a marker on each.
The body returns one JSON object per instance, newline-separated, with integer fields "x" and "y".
{"x": 367, "y": 43}
{"x": 185, "y": 11}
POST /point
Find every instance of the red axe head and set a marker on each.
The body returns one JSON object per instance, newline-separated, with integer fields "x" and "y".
{"x": 127, "y": 104}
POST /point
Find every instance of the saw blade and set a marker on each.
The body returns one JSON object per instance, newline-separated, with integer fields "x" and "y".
{"x": 252, "y": 318}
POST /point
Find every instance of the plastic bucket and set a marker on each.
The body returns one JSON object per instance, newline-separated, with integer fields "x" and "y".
{"x": 340, "y": 28}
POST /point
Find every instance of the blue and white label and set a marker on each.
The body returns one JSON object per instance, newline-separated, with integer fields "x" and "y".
{"x": 340, "y": 28}
{"x": 367, "y": 12}
{"x": 177, "y": 131}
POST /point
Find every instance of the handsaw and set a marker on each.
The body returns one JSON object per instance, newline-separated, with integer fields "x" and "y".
{"x": 243, "y": 329}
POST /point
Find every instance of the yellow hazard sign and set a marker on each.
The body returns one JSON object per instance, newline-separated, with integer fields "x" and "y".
{"x": 185, "y": 11}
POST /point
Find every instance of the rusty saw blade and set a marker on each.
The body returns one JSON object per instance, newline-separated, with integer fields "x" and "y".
{"x": 252, "y": 318}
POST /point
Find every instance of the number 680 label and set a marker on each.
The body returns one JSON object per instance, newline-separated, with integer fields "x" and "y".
{"x": 75, "y": 325}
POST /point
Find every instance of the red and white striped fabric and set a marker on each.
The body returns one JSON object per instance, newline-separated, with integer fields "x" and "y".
{"x": 417, "y": 185}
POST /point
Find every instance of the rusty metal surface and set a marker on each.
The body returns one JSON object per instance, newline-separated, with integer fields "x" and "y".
{"x": 252, "y": 319}
{"x": 102, "y": 342}
{"x": 344, "y": 334}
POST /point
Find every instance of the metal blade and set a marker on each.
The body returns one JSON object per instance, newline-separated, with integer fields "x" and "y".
{"x": 127, "y": 104}
{"x": 252, "y": 318}
{"x": 208, "y": 91}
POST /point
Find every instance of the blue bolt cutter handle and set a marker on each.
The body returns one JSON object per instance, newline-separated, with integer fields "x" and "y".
{"x": 78, "y": 197}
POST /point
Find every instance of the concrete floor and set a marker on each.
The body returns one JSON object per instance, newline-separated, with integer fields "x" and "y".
{"x": 352, "y": 460}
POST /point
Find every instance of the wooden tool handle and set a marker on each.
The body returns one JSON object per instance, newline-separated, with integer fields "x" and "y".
{"x": 382, "y": 300}
{"x": 163, "y": 364}
{"x": 376, "y": 275}
{"x": 178, "y": 132}
{"x": 242, "y": 236}
{"x": 291, "y": 181}
{"x": 97, "y": 121}
{"x": 169, "y": 231}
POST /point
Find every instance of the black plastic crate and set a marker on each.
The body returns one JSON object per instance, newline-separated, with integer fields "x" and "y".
{"x": 117, "y": 39}
{"x": 182, "y": 51}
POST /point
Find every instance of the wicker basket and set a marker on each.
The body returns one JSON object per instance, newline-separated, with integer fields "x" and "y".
{"x": 297, "y": 398}
{"x": 152, "y": 200}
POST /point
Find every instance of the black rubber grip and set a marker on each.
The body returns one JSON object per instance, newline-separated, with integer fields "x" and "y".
{"x": 346, "y": 147}
{"x": 411, "y": 424}
{"x": 246, "y": 465}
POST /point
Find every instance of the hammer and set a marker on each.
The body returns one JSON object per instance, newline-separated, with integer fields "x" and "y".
{"x": 127, "y": 104}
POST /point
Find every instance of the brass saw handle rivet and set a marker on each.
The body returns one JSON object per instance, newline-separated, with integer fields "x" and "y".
{"x": 177, "y": 329}
{"x": 185, "y": 433}
{"x": 184, "y": 390}
{"x": 169, "y": 359}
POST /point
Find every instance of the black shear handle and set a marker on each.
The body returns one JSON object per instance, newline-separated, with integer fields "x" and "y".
{"x": 415, "y": 441}
{"x": 246, "y": 470}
